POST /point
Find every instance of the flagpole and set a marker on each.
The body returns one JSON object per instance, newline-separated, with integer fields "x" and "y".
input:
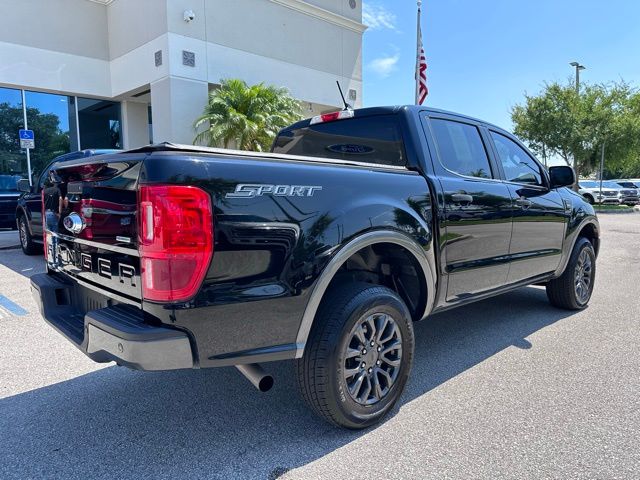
{"x": 416, "y": 71}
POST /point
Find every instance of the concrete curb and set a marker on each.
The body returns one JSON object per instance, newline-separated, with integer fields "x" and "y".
{"x": 617, "y": 212}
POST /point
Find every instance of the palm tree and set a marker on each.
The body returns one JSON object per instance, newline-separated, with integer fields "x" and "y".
{"x": 246, "y": 117}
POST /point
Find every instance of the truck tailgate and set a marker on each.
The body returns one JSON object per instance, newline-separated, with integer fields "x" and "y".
{"x": 97, "y": 235}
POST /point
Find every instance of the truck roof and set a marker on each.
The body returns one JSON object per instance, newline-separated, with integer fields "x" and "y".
{"x": 394, "y": 109}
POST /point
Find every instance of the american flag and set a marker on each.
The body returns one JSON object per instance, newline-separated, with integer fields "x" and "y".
{"x": 421, "y": 68}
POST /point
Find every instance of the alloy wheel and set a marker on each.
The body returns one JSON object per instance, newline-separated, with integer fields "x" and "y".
{"x": 372, "y": 358}
{"x": 23, "y": 234}
{"x": 583, "y": 277}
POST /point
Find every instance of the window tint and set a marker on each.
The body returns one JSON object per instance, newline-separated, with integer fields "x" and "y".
{"x": 374, "y": 139}
{"x": 461, "y": 148}
{"x": 587, "y": 184}
{"x": 517, "y": 164}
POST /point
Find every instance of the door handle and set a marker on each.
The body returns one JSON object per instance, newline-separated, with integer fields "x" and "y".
{"x": 462, "y": 198}
{"x": 524, "y": 202}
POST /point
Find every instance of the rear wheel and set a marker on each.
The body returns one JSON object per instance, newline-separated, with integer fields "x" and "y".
{"x": 573, "y": 289}
{"x": 29, "y": 247}
{"x": 358, "y": 356}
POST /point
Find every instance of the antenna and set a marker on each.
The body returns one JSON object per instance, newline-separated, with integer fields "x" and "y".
{"x": 346, "y": 105}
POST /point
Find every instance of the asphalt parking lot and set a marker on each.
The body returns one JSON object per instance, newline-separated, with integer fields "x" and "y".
{"x": 505, "y": 388}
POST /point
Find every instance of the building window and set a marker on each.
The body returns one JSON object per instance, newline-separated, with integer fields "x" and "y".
{"x": 150, "y": 121}
{"x": 53, "y": 121}
{"x": 60, "y": 123}
{"x": 12, "y": 159}
{"x": 99, "y": 123}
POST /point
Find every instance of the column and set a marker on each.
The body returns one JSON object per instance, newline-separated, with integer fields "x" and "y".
{"x": 135, "y": 124}
{"x": 175, "y": 104}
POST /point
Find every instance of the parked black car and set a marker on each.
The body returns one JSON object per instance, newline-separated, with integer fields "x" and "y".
{"x": 8, "y": 200}
{"x": 324, "y": 252}
{"x": 27, "y": 213}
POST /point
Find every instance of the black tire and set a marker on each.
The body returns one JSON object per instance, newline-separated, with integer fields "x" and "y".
{"x": 322, "y": 370}
{"x": 589, "y": 199}
{"x": 565, "y": 291}
{"x": 29, "y": 247}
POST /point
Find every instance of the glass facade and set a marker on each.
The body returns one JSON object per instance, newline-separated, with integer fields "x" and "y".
{"x": 53, "y": 121}
{"x": 12, "y": 159}
{"x": 99, "y": 123}
{"x": 61, "y": 124}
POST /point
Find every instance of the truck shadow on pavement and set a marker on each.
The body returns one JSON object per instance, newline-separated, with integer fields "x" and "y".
{"x": 212, "y": 423}
{"x": 25, "y": 265}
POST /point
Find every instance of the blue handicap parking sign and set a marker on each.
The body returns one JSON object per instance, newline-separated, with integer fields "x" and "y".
{"x": 26, "y": 134}
{"x": 27, "y": 139}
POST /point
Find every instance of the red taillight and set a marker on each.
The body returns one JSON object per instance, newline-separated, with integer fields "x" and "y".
{"x": 175, "y": 233}
{"x": 330, "y": 117}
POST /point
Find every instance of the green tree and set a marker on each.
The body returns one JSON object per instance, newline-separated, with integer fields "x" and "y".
{"x": 245, "y": 117}
{"x": 573, "y": 126}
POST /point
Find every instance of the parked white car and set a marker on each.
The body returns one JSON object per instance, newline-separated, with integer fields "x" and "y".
{"x": 621, "y": 192}
{"x": 590, "y": 190}
{"x": 629, "y": 193}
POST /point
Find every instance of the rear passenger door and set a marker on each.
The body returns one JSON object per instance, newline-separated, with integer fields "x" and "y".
{"x": 475, "y": 208}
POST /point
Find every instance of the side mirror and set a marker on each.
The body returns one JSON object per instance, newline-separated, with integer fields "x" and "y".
{"x": 23, "y": 185}
{"x": 561, "y": 176}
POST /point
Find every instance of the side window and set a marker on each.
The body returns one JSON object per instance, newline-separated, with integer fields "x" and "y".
{"x": 517, "y": 164}
{"x": 461, "y": 148}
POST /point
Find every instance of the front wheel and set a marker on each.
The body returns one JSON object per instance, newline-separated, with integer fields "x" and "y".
{"x": 573, "y": 289}
{"x": 358, "y": 356}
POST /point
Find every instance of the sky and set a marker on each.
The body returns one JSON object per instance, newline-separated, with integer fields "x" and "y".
{"x": 483, "y": 56}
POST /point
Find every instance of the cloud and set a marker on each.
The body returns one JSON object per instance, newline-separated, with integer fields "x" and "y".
{"x": 376, "y": 17}
{"x": 383, "y": 66}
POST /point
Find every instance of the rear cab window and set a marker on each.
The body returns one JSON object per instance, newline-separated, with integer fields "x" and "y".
{"x": 372, "y": 139}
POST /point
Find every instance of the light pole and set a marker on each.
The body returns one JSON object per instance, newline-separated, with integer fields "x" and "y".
{"x": 578, "y": 67}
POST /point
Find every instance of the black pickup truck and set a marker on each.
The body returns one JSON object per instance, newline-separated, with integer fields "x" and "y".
{"x": 324, "y": 251}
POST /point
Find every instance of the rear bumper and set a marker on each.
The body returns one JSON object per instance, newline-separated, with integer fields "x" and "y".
{"x": 116, "y": 333}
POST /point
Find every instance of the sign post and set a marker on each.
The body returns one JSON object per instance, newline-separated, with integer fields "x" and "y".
{"x": 27, "y": 139}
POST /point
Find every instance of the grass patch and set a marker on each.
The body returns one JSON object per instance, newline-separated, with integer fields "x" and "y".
{"x": 609, "y": 208}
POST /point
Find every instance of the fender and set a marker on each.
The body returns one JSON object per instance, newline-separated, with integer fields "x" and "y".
{"x": 570, "y": 241}
{"x": 425, "y": 259}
